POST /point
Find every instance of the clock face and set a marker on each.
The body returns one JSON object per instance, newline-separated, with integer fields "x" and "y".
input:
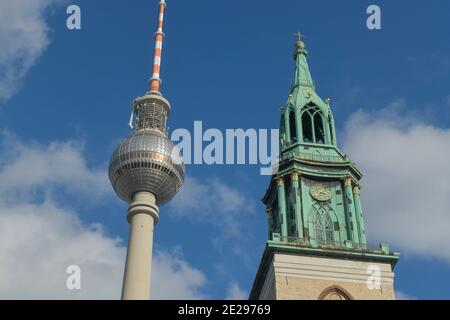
{"x": 320, "y": 192}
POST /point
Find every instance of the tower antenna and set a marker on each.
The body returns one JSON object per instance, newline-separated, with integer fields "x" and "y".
{"x": 155, "y": 81}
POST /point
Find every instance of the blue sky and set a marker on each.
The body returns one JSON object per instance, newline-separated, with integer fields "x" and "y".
{"x": 229, "y": 64}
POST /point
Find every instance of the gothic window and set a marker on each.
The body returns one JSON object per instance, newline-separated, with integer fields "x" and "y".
{"x": 276, "y": 216}
{"x": 307, "y": 127}
{"x": 322, "y": 224}
{"x": 331, "y": 129}
{"x": 293, "y": 126}
{"x": 292, "y": 231}
{"x": 335, "y": 293}
{"x": 282, "y": 132}
{"x": 313, "y": 125}
{"x": 318, "y": 128}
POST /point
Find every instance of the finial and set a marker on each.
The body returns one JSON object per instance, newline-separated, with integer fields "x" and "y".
{"x": 299, "y": 36}
{"x": 299, "y": 45}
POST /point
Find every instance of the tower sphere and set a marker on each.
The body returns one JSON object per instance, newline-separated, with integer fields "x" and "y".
{"x": 147, "y": 160}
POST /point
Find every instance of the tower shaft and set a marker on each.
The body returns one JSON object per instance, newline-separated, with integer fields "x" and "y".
{"x": 143, "y": 214}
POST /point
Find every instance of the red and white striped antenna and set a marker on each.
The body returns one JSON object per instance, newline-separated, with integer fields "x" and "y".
{"x": 155, "y": 81}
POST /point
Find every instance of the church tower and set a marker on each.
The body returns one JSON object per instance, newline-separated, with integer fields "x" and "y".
{"x": 317, "y": 247}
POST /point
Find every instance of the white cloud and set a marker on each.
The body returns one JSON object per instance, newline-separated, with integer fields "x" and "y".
{"x": 24, "y": 37}
{"x": 33, "y": 166}
{"x": 235, "y": 292}
{"x": 174, "y": 278}
{"x": 406, "y": 188}
{"x": 221, "y": 198}
{"x": 40, "y": 239}
{"x": 213, "y": 201}
{"x": 399, "y": 295}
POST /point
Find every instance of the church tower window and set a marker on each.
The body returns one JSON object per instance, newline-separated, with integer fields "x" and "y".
{"x": 331, "y": 130}
{"x": 307, "y": 127}
{"x": 293, "y": 126}
{"x": 323, "y": 225}
{"x": 318, "y": 128}
{"x": 313, "y": 125}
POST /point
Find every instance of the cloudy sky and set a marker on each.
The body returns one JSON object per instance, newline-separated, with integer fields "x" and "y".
{"x": 65, "y": 99}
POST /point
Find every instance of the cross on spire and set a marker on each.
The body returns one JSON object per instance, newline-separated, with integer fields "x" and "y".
{"x": 299, "y": 35}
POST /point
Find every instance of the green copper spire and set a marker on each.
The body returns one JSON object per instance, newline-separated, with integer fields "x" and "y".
{"x": 302, "y": 75}
{"x": 314, "y": 199}
{"x": 307, "y": 119}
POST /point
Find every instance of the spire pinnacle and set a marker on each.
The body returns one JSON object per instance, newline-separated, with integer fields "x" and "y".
{"x": 299, "y": 45}
{"x": 302, "y": 75}
{"x": 299, "y": 36}
{"x": 155, "y": 81}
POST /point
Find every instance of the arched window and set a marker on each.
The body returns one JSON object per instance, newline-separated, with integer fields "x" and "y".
{"x": 331, "y": 130}
{"x": 276, "y": 217}
{"x": 307, "y": 127}
{"x": 282, "y": 133}
{"x": 293, "y": 126}
{"x": 313, "y": 125}
{"x": 335, "y": 293}
{"x": 323, "y": 224}
{"x": 318, "y": 128}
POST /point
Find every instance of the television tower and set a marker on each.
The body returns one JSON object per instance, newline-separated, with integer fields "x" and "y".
{"x": 146, "y": 171}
